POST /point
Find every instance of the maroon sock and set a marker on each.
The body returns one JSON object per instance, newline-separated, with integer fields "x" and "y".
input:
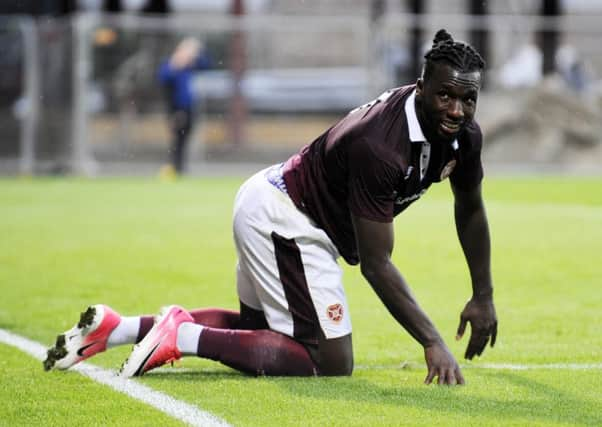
{"x": 216, "y": 317}
{"x": 260, "y": 352}
{"x": 146, "y": 323}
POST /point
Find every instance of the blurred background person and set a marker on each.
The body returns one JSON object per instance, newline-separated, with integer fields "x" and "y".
{"x": 176, "y": 76}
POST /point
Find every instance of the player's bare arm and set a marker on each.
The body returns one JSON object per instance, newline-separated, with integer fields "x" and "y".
{"x": 473, "y": 232}
{"x": 375, "y": 244}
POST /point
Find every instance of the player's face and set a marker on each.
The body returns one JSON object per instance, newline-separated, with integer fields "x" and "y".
{"x": 446, "y": 101}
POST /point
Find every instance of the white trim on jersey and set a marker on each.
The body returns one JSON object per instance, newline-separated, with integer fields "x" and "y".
{"x": 416, "y": 135}
{"x": 414, "y": 129}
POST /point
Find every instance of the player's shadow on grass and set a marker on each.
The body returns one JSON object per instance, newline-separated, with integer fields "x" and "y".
{"x": 196, "y": 375}
{"x": 540, "y": 402}
{"x": 523, "y": 399}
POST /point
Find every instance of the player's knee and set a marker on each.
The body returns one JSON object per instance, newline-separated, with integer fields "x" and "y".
{"x": 336, "y": 368}
{"x": 335, "y": 356}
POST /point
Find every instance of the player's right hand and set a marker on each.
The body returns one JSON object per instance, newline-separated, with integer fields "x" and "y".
{"x": 442, "y": 365}
{"x": 483, "y": 322}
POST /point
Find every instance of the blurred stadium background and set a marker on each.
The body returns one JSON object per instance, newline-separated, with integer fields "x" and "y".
{"x": 79, "y": 93}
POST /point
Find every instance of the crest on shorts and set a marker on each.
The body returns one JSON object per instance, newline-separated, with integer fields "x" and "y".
{"x": 447, "y": 169}
{"x": 335, "y": 312}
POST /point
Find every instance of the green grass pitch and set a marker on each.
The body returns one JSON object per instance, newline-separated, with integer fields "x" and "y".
{"x": 138, "y": 244}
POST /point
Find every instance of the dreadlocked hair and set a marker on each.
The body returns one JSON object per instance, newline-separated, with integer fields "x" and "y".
{"x": 460, "y": 56}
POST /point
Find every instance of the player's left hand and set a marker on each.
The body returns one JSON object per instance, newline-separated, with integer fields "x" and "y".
{"x": 483, "y": 324}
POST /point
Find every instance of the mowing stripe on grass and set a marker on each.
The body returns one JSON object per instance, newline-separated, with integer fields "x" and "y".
{"x": 175, "y": 408}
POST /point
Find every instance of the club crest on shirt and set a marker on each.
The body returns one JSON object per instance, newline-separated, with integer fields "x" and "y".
{"x": 447, "y": 169}
{"x": 335, "y": 312}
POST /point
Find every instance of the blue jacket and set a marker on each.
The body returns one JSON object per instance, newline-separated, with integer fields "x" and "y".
{"x": 179, "y": 82}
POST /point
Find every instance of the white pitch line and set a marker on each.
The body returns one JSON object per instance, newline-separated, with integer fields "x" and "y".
{"x": 541, "y": 366}
{"x": 495, "y": 366}
{"x": 182, "y": 411}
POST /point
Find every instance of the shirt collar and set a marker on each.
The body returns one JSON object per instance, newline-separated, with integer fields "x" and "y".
{"x": 414, "y": 129}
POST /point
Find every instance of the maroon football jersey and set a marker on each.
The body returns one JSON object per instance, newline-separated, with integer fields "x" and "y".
{"x": 375, "y": 162}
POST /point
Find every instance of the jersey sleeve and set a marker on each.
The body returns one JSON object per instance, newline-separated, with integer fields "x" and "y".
{"x": 469, "y": 172}
{"x": 372, "y": 182}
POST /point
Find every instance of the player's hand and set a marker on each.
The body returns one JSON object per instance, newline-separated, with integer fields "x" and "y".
{"x": 443, "y": 365}
{"x": 483, "y": 325}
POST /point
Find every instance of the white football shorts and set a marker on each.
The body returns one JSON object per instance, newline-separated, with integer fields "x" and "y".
{"x": 287, "y": 266}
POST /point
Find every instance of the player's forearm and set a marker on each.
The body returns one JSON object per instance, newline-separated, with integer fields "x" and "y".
{"x": 391, "y": 288}
{"x": 473, "y": 233}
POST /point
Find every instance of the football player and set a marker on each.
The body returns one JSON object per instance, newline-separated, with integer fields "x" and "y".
{"x": 336, "y": 198}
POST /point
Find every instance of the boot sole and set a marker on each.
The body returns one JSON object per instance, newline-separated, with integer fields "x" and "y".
{"x": 59, "y": 350}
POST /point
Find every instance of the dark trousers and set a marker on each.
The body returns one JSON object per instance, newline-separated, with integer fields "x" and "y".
{"x": 181, "y": 124}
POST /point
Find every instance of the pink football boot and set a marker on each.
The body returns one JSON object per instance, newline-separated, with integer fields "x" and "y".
{"x": 85, "y": 339}
{"x": 159, "y": 346}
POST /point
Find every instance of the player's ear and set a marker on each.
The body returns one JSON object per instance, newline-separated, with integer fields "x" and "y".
{"x": 419, "y": 86}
